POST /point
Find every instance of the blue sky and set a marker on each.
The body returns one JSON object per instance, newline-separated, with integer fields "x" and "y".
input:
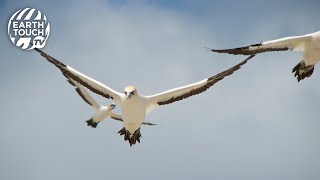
{"x": 258, "y": 123}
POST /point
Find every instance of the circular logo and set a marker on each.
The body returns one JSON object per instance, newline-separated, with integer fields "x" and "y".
{"x": 28, "y": 28}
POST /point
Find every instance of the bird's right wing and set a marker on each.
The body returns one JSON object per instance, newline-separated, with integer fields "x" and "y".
{"x": 93, "y": 85}
{"x": 294, "y": 43}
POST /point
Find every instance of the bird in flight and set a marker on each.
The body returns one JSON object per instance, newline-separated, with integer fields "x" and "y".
{"x": 309, "y": 44}
{"x": 101, "y": 112}
{"x": 135, "y": 106}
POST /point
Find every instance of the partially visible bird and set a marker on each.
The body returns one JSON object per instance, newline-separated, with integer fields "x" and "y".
{"x": 309, "y": 44}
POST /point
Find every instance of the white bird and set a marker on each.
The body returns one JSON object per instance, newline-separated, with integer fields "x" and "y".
{"x": 101, "y": 112}
{"x": 134, "y": 106}
{"x": 309, "y": 44}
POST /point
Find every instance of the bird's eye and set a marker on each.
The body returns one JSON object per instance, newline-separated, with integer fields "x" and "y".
{"x": 132, "y": 93}
{"x": 125, "y": 92}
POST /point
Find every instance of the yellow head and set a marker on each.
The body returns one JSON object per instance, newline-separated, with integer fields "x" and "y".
{"x": 130, "y": 91}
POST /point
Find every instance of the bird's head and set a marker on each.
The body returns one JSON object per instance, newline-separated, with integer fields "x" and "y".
{"x": 130, "y": 91}
{"x": 113, "y": 105}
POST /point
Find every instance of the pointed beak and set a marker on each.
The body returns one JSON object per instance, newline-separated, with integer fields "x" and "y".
{"x": 128, "y": 95}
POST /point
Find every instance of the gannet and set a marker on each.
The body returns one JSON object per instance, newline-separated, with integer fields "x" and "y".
{"x": 309, "y": 44}
{"x": 135, "y": 106}
{"x": 101, "y": 112}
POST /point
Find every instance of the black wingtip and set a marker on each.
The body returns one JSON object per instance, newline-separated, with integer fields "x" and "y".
{"x": 38, "y": 50}
{"x": 245, "y": 50}
{"x": 149, "y": 124}
{"x": 69, "y": 81}
{"x": 51, "y": 59}
{"x": 207, "y": 49}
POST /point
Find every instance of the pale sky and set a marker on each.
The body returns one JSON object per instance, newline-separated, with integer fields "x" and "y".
{"x": 258, "y": 124}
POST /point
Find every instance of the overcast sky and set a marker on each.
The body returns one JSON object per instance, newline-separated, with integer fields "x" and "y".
{"x": 258, "y": 124}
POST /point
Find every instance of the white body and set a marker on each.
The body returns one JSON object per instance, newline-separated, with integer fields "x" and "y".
{"x": 133, "y": 111}
{"x": 311, "y": 53}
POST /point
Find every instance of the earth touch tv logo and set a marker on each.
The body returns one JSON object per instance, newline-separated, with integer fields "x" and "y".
{"x": 28, "y": 28}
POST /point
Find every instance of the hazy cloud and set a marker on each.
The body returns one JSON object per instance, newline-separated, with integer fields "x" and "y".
{"x": 256, "y": 124}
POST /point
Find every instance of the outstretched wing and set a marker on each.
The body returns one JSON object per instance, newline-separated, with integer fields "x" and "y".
{"x": 84, "y": 94}
{"x": 184, "y": 92}
{"x": 294, "y": 43}
{"x": 93, "y": 85}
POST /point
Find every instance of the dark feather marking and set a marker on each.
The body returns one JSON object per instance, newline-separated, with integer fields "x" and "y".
{"x": 306, "y": 71}
{"x": 76, "y": 78}
{"x": 210, "y": 82}
{"x": 144, "y": 123}
{"x": 246, "y": 50}
{"x": 116, "y": 118}
{"x": 127, "y": 136}
{"x": 92, "y": 123}
{"x": 82, "y": 96}
{"x": 64, "y": 69}
{"x": 78, "y": 91}
{"x": 150, "y": 124}
{"x": 70, "y": 81}
{"x": 50, "y": 59}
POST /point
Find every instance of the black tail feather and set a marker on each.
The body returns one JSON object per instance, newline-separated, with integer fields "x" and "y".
{"x": 132, "y": 139}
{"x": 92, "y": 123}
{"x": 302, "y": 71}
{"x": 124, "y": 132}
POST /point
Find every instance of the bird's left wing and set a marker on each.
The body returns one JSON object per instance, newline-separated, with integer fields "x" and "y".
{"x": 116, "y": 117}
{"x": 183, "y": 92}
{"x": 92, "y": 84}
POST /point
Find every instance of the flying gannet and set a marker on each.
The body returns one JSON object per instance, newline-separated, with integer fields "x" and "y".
{"x": 309, "y": 44}
{"x": 101, "y": 112}
{"x": 134, "y": 106}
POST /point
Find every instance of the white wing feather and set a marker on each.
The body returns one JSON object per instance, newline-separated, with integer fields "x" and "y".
{"x": 294, "y": 43}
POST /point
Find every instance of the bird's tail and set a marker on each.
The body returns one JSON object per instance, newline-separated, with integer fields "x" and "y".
{"x": 92, "y": 123}
{"x": 302, "y": 71}
{"x": 132, "y": 138}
